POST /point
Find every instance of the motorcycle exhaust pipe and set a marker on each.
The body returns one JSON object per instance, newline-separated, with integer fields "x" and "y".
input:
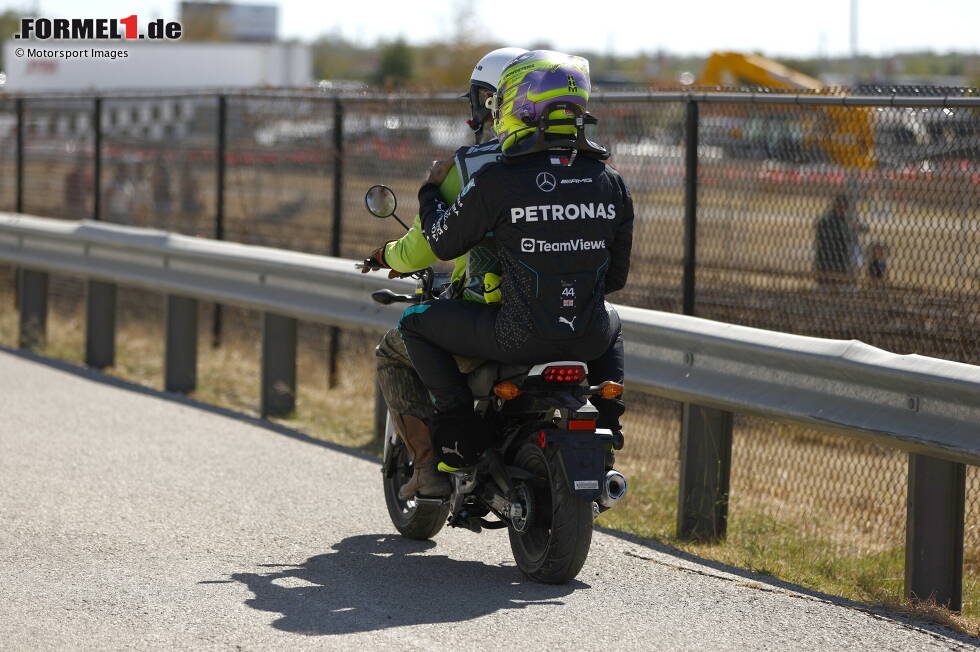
{"x": 613, "y": 489}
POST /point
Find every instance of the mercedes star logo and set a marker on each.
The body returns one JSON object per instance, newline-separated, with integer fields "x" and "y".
{"x": 546, "y": 181}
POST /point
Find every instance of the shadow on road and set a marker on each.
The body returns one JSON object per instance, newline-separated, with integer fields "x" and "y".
{"x": 375, "y": 581}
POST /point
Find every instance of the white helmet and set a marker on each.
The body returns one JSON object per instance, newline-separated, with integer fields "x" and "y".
{"x": 485, "y": 76}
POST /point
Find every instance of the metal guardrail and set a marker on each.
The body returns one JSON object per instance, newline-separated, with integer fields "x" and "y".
{"x": 288, "y": 283}
{"x": 926, "y": 406}
{"x": 917, "y": 403}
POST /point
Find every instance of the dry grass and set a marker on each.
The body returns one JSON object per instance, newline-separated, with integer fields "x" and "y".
{"x": 228, "y": 376}
{"x": 927, "y": 611}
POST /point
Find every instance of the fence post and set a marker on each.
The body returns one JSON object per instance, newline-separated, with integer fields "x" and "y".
{"x": 338, "y": 211}
{"x": 706, "y": 462}
{"x": 380, "y": 412}
{"x": 934, "y": 530}
{"x": 33, "y": 290}
{"x": 181, "y": 350}
{"x": 706, "y": 433}
{"x": 100, "y": 311}
{"x": 219, "y": 210}
{"x": 97, "y": 160}
{"x": 100, "y": 325}
{"x": 19, "y": 197}
{"x": 278, "y": 365}
{"x": 19, "y": 182}
{"x": 690, "y": 205}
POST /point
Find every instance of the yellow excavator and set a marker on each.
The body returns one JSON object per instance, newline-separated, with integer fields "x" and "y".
{"x": 844, "y": 134}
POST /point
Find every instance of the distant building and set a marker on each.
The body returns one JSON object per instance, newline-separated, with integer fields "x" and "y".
{"x": 161, "y": 65}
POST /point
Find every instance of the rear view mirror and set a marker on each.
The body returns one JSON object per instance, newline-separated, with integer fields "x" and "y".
{"x": 380, "y": 201}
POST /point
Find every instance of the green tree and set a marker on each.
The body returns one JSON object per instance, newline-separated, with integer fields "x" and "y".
{"x": 334, "y": 57}
{"x": 9, "y": 25}
{"x": 203, "y": 22}
{"x": 394, "y": 64}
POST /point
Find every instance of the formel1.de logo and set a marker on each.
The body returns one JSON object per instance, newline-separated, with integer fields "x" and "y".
{"x": 97, "y": 29}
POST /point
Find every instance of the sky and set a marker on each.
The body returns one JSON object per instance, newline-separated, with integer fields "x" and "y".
{"x": 800, "y": 28}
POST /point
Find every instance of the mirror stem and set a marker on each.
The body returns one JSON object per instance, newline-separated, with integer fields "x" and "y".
{"x": 400, "y": 222}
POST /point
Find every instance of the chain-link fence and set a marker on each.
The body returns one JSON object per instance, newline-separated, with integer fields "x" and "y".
{"x": 158, "y": 163}
{"x": 843, "y": 221}
{"x": 879, "y": 244}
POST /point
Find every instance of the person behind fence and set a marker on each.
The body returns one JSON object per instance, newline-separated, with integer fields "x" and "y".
{"x": 119, "y": 195}
{"x": 562, "y": 221}
{"x": 474, "y": 272}
{"x": 76, "y": 190}
{"x": 878, "y": 263}
{"x": 837, "y": 248}
{"x": 162, "y": 192}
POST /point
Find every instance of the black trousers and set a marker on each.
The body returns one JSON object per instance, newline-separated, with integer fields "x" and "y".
{"x": 435, "y": 330}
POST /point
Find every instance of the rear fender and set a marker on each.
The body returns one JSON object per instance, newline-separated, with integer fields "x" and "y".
{"x": 582, "y": 455}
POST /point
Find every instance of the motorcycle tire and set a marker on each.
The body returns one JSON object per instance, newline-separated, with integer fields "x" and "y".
{"x": 557, "y": 538}
{"x": 411, "y": 519}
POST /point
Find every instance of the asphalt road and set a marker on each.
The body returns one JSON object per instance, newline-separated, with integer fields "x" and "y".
{"x": 134, "y": 519}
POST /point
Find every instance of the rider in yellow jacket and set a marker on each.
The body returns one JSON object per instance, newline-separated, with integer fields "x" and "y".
{"x": 475, "y": 277}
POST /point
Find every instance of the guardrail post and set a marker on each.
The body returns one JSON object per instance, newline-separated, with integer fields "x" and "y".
{"x": 33, "y": 291}
{"x": 380, "y": 413}
{"x": 97, "y": 160}
{"x": 706, "y": 461}
{"x": 181, "y": 351}
{"x": 100, "y": 325}
{"x": 934, "y": 531}
{"x": 335, "y": 234}
{"x": 278, "y": 365}
{"x": 219, "y": 209}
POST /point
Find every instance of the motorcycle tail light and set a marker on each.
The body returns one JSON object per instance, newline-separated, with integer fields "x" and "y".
{"x": 575, "y": 374}
{"x": 507, "y": 390}
{"x": 609, "y": 389}
{"x": 581, "y": 424}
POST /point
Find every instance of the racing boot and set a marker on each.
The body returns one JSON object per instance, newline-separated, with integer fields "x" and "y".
{"x": 425, "y": 480}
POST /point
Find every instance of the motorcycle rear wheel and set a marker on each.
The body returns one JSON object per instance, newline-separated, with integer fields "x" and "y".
{"x": 411, "y": 519}
{"x": 556, "y": 541}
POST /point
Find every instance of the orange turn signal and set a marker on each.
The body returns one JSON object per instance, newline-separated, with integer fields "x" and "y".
{"x": 507, "y": 390}
{"x": 609, "y": 389}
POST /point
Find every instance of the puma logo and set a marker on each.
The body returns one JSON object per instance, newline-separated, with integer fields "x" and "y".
{"x": 447, "y": 451}
{"x": 571, "y": 324}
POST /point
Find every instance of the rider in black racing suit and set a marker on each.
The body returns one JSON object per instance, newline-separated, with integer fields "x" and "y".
{"x": 562, "y": 221}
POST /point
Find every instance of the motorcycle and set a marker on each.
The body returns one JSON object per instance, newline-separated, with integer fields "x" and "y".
{"x": 546, "y": 476}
